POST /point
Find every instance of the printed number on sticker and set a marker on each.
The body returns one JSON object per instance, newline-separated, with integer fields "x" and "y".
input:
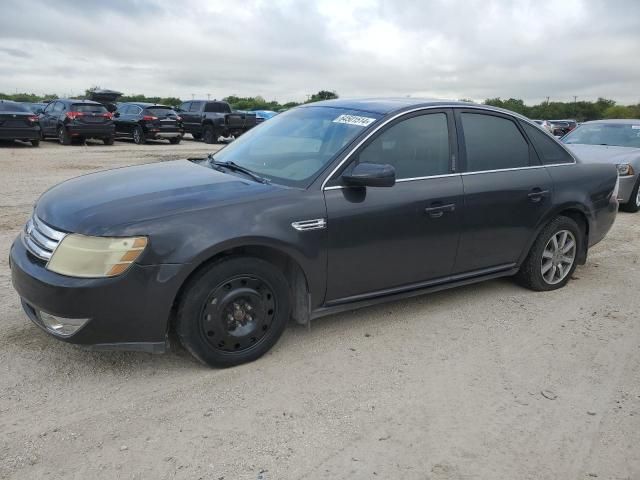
{"x": 354, "y": 120}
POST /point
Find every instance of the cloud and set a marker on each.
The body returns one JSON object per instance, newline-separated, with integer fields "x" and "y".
{"x": 286, "y": 49}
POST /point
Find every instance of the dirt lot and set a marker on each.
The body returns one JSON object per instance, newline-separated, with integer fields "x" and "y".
{"x": 485, "y": 382}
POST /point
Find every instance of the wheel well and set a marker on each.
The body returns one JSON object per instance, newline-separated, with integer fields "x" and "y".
{"x": 294, "y": 274}
{"x": 581, "y": 219}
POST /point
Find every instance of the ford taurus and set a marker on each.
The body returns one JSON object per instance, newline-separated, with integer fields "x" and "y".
{"x": 327, "y": 207}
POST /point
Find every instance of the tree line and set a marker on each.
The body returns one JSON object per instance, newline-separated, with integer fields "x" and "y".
{"x": 237, "y": 103}
{"x": 581, "y": 111}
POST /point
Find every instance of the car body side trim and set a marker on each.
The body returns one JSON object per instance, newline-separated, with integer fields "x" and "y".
{"x": 365, "y": 300}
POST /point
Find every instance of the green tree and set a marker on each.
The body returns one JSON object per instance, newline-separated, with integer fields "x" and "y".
{"x": 619, "y": 111}
{"x": 322, "y": 95}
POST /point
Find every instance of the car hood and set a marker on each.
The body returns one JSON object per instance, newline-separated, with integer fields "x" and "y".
{"x": 603, "y": 153}
{"x": 98, "y": 203}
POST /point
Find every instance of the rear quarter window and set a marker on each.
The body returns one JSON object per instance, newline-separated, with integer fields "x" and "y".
{"x": 161, "y": 111}
{"x": 547, "y": 148}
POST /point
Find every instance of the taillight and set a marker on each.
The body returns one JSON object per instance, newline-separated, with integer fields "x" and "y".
{"x": 108, "y": 115}
{"x": 74, "y": 115}
{"x": 149, "y": 118}
{"x": 33, "y": 118}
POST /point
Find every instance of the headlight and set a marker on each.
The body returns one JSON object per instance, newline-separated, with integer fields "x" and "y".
{"x": 81, "y": 256}
{"x": 624, "y": 169}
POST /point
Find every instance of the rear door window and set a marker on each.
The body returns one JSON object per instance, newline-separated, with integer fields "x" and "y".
{"x": 217, "y": 107}
{"x": 493, "y": 143}
{"x": 12, "y": 107}
{"x": 547, "y": 148}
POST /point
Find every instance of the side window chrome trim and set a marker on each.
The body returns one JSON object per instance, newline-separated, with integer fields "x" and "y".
{"x": 402, "y": 180}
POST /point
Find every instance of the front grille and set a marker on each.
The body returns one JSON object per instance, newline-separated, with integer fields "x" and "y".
{"x": 40, "y": 239}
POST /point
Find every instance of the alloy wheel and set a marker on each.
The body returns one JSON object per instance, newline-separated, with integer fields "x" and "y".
{"x": 238, "y": 314}
{"x": 558, "y": 257}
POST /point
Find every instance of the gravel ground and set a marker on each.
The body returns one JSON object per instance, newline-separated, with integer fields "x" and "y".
{"x": 483, "y": 382}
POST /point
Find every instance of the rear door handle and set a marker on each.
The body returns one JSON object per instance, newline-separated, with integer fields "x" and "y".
{"x": 537, "y": 194}
{"x": 437, "y": 210}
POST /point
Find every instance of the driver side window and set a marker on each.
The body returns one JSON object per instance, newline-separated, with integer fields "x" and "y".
{"x": 415, "y": 147}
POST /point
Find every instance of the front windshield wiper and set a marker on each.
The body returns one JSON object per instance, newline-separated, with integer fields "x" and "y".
{"x": 236, "y": 168}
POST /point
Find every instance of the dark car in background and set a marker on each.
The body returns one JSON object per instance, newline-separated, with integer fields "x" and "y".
{"x": 148, "y": 121}
{"x": 560, "y": 128}
{"x": 210, "y": 120}
{"x": 324, "y": 208}
{"x": 71, "y": 119}
{"x": 17, "y": 122}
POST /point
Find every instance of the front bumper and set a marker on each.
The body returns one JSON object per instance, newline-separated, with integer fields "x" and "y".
{"x": 626, "y": 186}
{"x": 128, "y": 312}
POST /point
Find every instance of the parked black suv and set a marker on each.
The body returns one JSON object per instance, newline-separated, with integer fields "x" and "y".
{"x": 148, "y": 121}
{"x": 211, "y": 120}
{"x": 324, "y": 208}
{"x": 17, "y": 122}
{"x": 70, "y": 119}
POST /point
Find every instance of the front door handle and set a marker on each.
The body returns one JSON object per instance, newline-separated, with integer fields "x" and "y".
{"x": 537, "y": 194}
{"x": 437, "y": 210}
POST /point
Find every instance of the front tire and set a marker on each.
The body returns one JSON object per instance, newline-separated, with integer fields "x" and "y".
{"x": 108, "y": 140}
{"x": 35, "y": 143}
{"x": 552, "y": 258}
{"x": 196, "y": 136}
{"x": 633, "y": 205}
{"x": 233, "y": 311}
{"x": 175, "y": 140}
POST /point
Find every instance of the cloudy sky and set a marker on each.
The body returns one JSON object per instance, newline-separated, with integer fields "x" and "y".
{"x": 284, "y": 49}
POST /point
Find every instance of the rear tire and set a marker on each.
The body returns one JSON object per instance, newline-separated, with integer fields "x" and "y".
{"x": 233, "y": 311}
{"x": 63, "y": 136}
{"x": 35, "y": 143}
{"x": 633, "y": 205}
{"x": 553, "y": 256}
{"x": 175, "y": 140}
{"x": 139, "y": 137}
{"x": 108, "y": 140}
{"x": 209, "y": 134}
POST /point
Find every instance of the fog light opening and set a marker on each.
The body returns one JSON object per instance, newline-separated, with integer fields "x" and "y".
{"x": 63, "y": 327}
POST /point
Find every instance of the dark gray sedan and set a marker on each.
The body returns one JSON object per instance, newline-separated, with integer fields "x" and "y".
{"x": 616, "y": 142}
{"x": 326, "y": 207}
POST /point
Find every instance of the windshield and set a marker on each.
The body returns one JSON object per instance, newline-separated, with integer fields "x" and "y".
{"x": 293, "y": 147}
{"x": 616, "y": 134}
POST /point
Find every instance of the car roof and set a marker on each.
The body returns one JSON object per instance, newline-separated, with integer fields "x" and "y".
{"x": 384, "y": 106}
{"x": 206, "y": 101}
{"x": 620, "y": 121}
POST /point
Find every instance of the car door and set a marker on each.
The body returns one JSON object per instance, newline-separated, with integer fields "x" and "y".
{"x": 506, "y": 191}
{"x": 183, "y": 110}
{"x": 133, "y": 117}
{"x": 382, "y": 238}
{"x": 195, "y": 117}
{"x": 120, "y": 119}
{"x": 47, "y": 122}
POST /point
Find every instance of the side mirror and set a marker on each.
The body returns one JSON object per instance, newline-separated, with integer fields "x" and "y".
{"x": 370, "y": 175}
{"x": 116, "y": 114}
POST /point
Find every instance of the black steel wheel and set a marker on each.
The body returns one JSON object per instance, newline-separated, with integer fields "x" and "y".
{"x": 233, "y": 311}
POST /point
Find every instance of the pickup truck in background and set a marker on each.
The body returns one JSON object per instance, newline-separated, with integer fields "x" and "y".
{"x": 210, "y": 120}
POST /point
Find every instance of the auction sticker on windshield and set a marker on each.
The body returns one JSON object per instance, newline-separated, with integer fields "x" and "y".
{"x": 354, "y": 120}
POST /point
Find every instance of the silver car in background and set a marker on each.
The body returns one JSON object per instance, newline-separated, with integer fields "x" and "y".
{"x": 612, "y": 141}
